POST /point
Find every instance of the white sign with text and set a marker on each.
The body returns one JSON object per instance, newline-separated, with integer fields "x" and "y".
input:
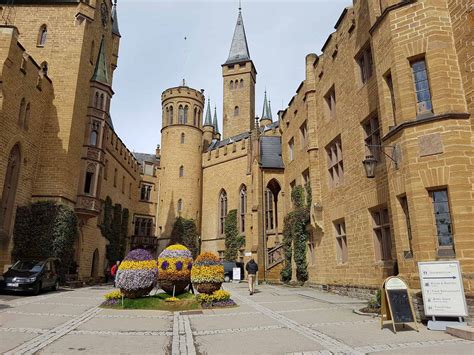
{"x": 236, "y": 273}
{"x": 442, "y": 288}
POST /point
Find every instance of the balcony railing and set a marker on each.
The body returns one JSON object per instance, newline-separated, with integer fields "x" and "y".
{"x": 275, "y": 256}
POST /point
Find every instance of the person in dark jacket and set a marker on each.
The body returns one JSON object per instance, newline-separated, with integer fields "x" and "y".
{"x": 252, "y": 268}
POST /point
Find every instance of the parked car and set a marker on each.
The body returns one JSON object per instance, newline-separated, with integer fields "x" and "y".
{"x": 31, "y": 276}
{"x": 229, "y": 270}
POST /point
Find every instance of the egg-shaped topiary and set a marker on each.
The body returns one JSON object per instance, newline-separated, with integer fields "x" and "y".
{"x": 207, "y": 273}
{"x": 137, "y": 274}
{"x": 174, "y": 264}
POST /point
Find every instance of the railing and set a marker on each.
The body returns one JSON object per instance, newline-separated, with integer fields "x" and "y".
{"x": 275, "y": 256}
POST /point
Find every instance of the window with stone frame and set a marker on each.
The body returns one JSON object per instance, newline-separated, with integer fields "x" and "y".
{"x": 222, "y": 211}
{"x": 236, "y": 111}
{"x": 269, "y": 210}
{"x": 330, "y": 99}
{"x": 291, "y": 149}
{"x": 304, "y": 135}
{"x": 180, "y": 114}
{"x": 443, "y": 222}
{"x": 42, "y": 36}
{"x": 406, "y": 212}
{"x": 182, "y": 138}
{"x": 382, "y": 233}
{"x": 335, "y": 162}
{"x": 365, "y": 63}
{"x": 341, "y": 241}
{"x": 180, "y": 205}
{"x": 305, "y": 177}
{"x": 421, "y": 83}
{"x": 145, "y": 192}
{"x": 170, "y": 115}
{"x": 181, "y": 171}
{"x": 372, "y": 137}
{"x": 89, "y": 179}
{"x": 243, "y": 207}
{"x": 143, "y": 226}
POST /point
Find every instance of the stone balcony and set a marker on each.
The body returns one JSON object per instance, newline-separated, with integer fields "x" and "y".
{"x": 87, "y": 206}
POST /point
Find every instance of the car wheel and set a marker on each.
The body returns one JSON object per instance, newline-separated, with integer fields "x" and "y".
{"x": 37, "y": 289}
{"x": 56, "y": 285}
{"x": 226, "y": 278}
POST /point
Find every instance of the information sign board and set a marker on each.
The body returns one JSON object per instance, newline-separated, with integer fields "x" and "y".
{"x": 236, "y": 271}
{"x": 442, "y": 288}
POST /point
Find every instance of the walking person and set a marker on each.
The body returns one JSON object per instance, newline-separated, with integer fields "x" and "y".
{"x": 252, "y": 268}
{"x": 114, "y": 272}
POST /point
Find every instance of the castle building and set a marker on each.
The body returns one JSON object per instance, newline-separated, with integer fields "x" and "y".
{"x": 380, "y": 129}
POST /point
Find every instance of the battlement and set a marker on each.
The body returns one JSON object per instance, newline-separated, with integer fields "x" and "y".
{"x": 115, "y": 146}
{"x": 228, "y": 149}
{"x": 183, "y": 92}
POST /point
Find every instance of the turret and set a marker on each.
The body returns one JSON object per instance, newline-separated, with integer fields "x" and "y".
{"x": 181, "y": 154}
{"x": 266, "y": 119}
{"x": 208, "y": 128}
{"x": 217, "y": 134}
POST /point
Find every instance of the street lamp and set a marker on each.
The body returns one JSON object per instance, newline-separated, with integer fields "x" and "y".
{"x": 370, "y": 162}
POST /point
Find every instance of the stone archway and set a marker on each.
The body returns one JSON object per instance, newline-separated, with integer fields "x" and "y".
{"x": 10, "y": 185}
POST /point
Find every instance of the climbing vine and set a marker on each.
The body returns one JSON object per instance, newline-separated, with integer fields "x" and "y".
{"x": 233, "y": 240}
{"x": 114, "y": 228}
{"x": 185, "y": 232}
{"x": 295, "y": 235}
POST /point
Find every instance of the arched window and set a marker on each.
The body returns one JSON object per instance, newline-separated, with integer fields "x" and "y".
{"x": 236, "y": 111}
{"x": 222, "y": 211}
{"x": 26, "y": 119}
{"x": 195, "y": 117}
{"x": 241, "y": 83}
{"x": 271, "y": 205}
{"x": 96, "y": 101}
{"x": 9, "y": 189}
{"x": 180, "y": 114}
{"x": 243, "y": 207}
{"x": 181, "y": 171}
{"x": 93, "y": 138}
{"x": 101, "y": 101}
{"x": 21, "y": 113}
{"x": 88, "y": 182}
{"x": 91, "y": 57}
{"x": 269, "y": 221}
{"x": 180, "y": 205}
{"x": 185, "y": 121}
{"x": 44, "y": 68}
{"x": 43, "y": 33}
{"x": 170, "y": 117}
{"x": 231, "y": 85}
{"x": 182, "y": 138}
{"x": 199, "y": 118}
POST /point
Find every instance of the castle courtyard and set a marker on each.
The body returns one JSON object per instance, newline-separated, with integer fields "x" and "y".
{"x": 276, "y": 320}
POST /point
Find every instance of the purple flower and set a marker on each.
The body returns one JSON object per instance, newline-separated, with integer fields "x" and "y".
{"x": 164, "y": 265}
{"x": 139, "y": 255}
{"x": 179, "y": 265}
{"x": 190, "y": 265}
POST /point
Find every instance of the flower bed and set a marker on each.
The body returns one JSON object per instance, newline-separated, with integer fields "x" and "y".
{"x": 218, "y": 298}
{"x": 207, "y": 273}
{"x": 175, "y": 264}
{"x": 137, "y": 274}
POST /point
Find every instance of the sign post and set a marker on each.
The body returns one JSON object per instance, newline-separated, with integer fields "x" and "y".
{"x": 236, "y": 274}
{"x": 396, "y": 305}
{"x": 443, "y": 292}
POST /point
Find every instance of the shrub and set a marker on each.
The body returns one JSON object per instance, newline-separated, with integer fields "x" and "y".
{"x": 233, "y": 240}
{"x": 185, "y": 232}
{"x": 114, "y": 228}
{"x": 51, "y": 228}
{"x": 137, "y": 274}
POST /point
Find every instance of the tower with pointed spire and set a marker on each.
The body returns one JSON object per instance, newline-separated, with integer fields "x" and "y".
{"x": 208, "y": 127}
{"x": 266, "y": 118}
{"x": 239, "y": 76}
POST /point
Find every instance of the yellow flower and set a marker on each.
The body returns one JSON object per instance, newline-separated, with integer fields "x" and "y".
{"x": 116, "y": 294}
{"x": 177, "y": 247}
{"x": 137, "y": 265}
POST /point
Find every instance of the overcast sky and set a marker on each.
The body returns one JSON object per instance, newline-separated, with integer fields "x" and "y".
{"x": 154, "y": 54}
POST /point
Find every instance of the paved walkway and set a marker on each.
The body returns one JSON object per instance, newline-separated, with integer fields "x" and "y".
{"x": 276, "y": 320}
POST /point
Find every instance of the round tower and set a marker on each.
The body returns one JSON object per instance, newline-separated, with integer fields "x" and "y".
{"x": 181, "y": 154}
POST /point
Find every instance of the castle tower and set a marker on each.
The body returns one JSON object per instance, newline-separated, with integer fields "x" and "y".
{"x": 239, "y": 76}
{"x": 208, "y": 127}
{"x": 266, "y": 118}
{"x": 181, "y": 149}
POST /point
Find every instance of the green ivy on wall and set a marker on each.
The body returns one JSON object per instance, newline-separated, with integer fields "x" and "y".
{"x": 51, "y": 228}
{"x": 114, "y": 228}
{"x": 234, "y": 241}
{"x": 296, "y": 235}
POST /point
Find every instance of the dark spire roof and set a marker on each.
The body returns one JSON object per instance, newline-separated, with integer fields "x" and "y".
{"x": 208, "y": 119}
{"x": 266, "y": 115}
{"x": 101, "y": 71}
{"x": 239, "y": 50}
{"x": 115, "y": 25}
{"x": 270, "y": 116}
{"x": 214, "y": 123}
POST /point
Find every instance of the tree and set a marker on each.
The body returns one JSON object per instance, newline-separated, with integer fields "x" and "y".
{"x": 114, "y": 228}
{"x": 233, "y": 240}
{"x": 185, "y": 232}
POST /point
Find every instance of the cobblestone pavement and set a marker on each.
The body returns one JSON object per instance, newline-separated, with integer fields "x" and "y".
{"x": 275, "y": 320}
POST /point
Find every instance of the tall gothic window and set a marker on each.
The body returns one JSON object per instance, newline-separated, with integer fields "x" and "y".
{"x": 185, "y": 120}
{"x": 269, "y": 221}
{"x": 170, "y": 117}
{"x": 181, "y": 115}
{"x": 243, "y": 207}
{"x": 42, "y": 35}
{"x": 9, "y": 189}
{"x": 21, "y": 113}
{"x": 222, "y": 211}
{"x": 236, "y": 111}
{"x": 88, "y": 183}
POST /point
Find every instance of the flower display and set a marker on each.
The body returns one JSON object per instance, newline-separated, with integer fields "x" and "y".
{"x": 216, "y": 296}
{"x": 137, "y": 274}
{"x": 113, "y": 295}
{"x": 207, "y": 273}
{"x": 175, "y": 264}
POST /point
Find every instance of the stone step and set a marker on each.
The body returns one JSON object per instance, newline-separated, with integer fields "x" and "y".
{"x": 463, "y": 332}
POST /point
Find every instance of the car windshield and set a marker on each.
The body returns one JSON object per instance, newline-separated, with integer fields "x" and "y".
{"x": 33, "y": 266}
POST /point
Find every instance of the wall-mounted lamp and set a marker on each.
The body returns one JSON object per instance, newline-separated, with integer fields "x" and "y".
{"x": 370, "y": 162}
